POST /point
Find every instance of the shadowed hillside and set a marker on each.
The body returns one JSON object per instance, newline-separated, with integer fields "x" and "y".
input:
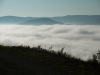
{"x": 23, "y": 60}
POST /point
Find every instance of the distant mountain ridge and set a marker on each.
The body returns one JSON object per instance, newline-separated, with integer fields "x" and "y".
{"x": 14, "y": 19}
{"x": 70, "y": 19}
{"x": 41, "y": 21}
{"x": 79, "y": 19}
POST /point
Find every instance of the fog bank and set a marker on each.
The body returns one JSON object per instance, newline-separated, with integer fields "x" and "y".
{"x": 78, "y": 40}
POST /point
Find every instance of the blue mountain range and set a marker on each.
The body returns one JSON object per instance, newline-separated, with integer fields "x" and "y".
{"x": 70, "y": 19}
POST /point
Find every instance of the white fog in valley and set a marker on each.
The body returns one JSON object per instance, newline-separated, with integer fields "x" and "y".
{"x": 79, "y": 40}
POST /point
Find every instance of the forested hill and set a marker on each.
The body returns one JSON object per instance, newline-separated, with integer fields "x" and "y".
{"x": 23, "y": 60}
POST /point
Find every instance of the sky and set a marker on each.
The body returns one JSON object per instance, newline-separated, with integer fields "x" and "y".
{"x": 49, "y": 8}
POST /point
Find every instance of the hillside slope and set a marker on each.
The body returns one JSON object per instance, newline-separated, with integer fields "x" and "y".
{"x": 23, "y": 60}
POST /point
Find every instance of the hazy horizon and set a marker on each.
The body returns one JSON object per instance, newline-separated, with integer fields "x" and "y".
{"x": 47, "y": 16}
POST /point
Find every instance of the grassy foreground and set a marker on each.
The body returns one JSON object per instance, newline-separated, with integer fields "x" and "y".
{"x": 23, "y": 60}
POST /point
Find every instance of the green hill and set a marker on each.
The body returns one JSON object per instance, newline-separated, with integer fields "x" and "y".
{"x": 23, "y": 60}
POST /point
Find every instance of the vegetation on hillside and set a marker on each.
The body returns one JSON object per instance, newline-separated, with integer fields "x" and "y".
{"x": 39, "y": 61}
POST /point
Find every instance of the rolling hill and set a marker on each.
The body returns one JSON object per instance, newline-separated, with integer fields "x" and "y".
{"x": 41, "y": 21}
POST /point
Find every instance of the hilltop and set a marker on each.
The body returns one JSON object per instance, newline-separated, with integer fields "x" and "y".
{"x": 41, "y": 21}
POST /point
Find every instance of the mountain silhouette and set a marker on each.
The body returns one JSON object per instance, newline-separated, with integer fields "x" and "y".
{"x": 70, "y": 19}
{"x": 79, "y": 19}
{"x": 14, "y": 19}
{"x": 41, "y": 21}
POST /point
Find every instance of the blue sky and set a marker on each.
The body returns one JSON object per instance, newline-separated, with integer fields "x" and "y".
{"x": 49, "y": 8}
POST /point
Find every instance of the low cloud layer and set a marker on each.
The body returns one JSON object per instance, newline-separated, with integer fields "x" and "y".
{"x": 80, "y": 41}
